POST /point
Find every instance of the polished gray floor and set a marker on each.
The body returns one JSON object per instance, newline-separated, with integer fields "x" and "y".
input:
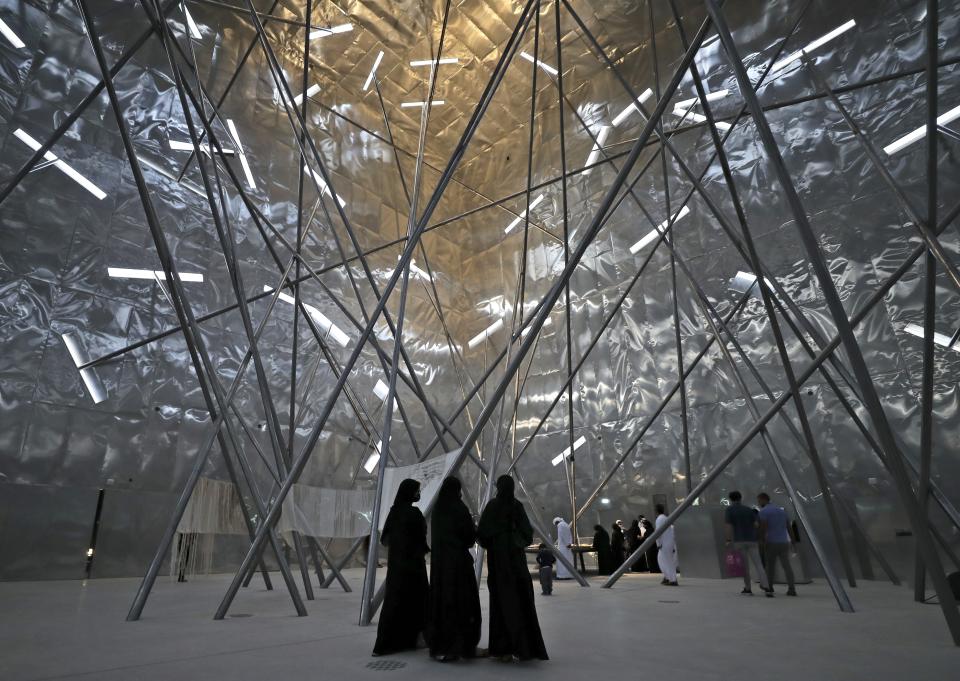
{"x": 703, "y": 630}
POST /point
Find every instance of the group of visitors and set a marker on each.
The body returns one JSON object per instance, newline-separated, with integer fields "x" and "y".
{"x": 444, "y": 612}
{"x": 748, "y": 531}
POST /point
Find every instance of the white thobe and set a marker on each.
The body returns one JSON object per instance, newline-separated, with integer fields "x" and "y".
{"x": 564, "y": 539}
{"x": 667, "y": 556}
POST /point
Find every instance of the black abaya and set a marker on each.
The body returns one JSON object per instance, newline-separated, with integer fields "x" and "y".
{"x": 633, "y": 538}
{"x": 403, "y": 615}
{"x": 601, "y": 544}
{"x": 454, "y": 620}
{"x": 616, "y": 547}
{"x": 504, "y": 532}
{"x": 653, "y": 565}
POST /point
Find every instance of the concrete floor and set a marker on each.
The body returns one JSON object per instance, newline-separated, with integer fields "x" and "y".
{"x": 703, "y": 630}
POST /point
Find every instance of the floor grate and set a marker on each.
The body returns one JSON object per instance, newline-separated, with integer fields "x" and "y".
{"x": 386, "y": 665}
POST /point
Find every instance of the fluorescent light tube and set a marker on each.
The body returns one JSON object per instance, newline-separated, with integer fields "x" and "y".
{"x": 324, "y": 189}
{"x": 416, "y": 271}
{"x": 694, "y": 101}
{"x": 97, "y": 392}
{"x": 311, "y": 91}
{"x": 597, "y": 146}
{"x": 204, "y": 149}
{"x": 124, "y": 273}
{"x": 410, "y": 105}
{"x": 566, "y": 452}
{"x": 321, "y": 319}
{"x": 938, "y": 338}
{"x": 430, "y": 62}
{"x": 620, "y": 117}
{"x": 743, "y": 281}
{"x": 546, "y": 67}
{"x": 372, "y": 461}
{"x": 243, "y": 157}
{"x": 373, "y": 71}
{"x": 486, "y": 333}
{"x": 920, "y": 132}
{"x": 61, "y": 166}
{"x": 819, "y": 42}
{"x": 548, "y": 322}
{"x": 699, "y": 118}
{"x": 652, "y": 235}
{"x": 516, "y": 221}
{"x": 191, "y": 24}
{"x": 332, "y": 30}
{"x": 11, "y": 37}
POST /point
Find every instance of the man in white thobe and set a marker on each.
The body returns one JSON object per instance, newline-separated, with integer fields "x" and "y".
{"x": 667, "y": 556}
{"x": 564, "y": 540}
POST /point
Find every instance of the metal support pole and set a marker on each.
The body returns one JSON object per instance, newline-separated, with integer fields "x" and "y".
{"x": 872, "y": 402}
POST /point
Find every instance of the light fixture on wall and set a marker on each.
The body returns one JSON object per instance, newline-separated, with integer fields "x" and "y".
{"x": 310, "y": 92}
{"x": 567, "y": 452}
{"x": 332, "y": 30}
{"x": 938, "y": 338}
{"x": 191, "y": 24}
{"x": 125, "y": 273}
{"x": 597, "y": 146}
{"x": 810, "y": 47}
{"x": 62, "y": 166}
{"x": 652, "y": 235}
{"x": 622, "y": 116}
{"x": 90, "y": 379}
{"x": 546, "y": 67}
{"x": 486, "y": 333}
{"x": 921, "y": 132}
{"x": 373, "y": 71}
{"x": 684, "y": 108}
{"x": 324, "y": 189}
{"x": 204, "y": 148}
{"x": 412, "y": 105}
{"x": 431, "y": 62}
{"x": 321, "y": 319}
{"x": 516, "y": 221}
{"x": 744, "y": 281}
{"x": 251, "y": 184}
{"x": 11, "y": 37}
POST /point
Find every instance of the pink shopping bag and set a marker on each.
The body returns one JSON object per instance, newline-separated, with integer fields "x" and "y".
{"x": 734, "y": 563}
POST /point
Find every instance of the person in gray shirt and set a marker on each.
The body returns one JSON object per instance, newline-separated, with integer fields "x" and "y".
{"x": 777, "y": 542}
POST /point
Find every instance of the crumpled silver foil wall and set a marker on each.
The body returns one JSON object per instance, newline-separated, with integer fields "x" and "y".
{"x": 57, "y": 448}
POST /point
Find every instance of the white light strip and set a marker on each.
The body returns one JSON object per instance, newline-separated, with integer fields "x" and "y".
{"x": 124, "y": 273}
{"x": 321, "y": 319}
{"x": 620, "y": 117}
{"x": 576, "y": 445}
{"x": 371, "y": 464}
{"x": 333, "y": 30}
{"x": 12, "y": 37}
{"x": 430, "y": 62}
{"x": 652, "y": 235}
{"x": 191, "y": 24}
{"x": 819, "y": 42}
{"x": 516, "y": 221}
{"x": 486, "y": 333}
{"x": 61, "y": 166}
{"x": 381, "y": 390}
{"x": 410, "y": 105}
{"x": 546, "y": 67}
{"x": 548, "y": 322}
{"x": 920, "y": 132}
{"x": 311, "y": 91}
{"x": 324, "y": 189}
{"x": 938, "y": 338}
{"x": 243, "y": 157}
{"x": 204, "y": 149}
{"x": 597, "y": 146}
{"x": 373, "y": 71}
{"x": 743, "y": 281}
{"x": 97, "y": 392}
{"x": 685, "y": 104}
{"x": 699, "y": 118}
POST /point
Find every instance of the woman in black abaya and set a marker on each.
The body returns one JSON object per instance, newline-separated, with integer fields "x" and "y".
{"x": 634, "y": 538}
{"x": 616, "y": 546}
{"x": 403, "y": 616}
{"x": 454, "y": 618}
{"x": 601, "y": 544}
{"x": 504, "y": 532}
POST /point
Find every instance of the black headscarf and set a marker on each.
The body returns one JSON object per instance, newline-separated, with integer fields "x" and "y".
{"x": 407, "y": 493}
{"x": 505, "y": 487}
{"x": 449, "y": 494}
